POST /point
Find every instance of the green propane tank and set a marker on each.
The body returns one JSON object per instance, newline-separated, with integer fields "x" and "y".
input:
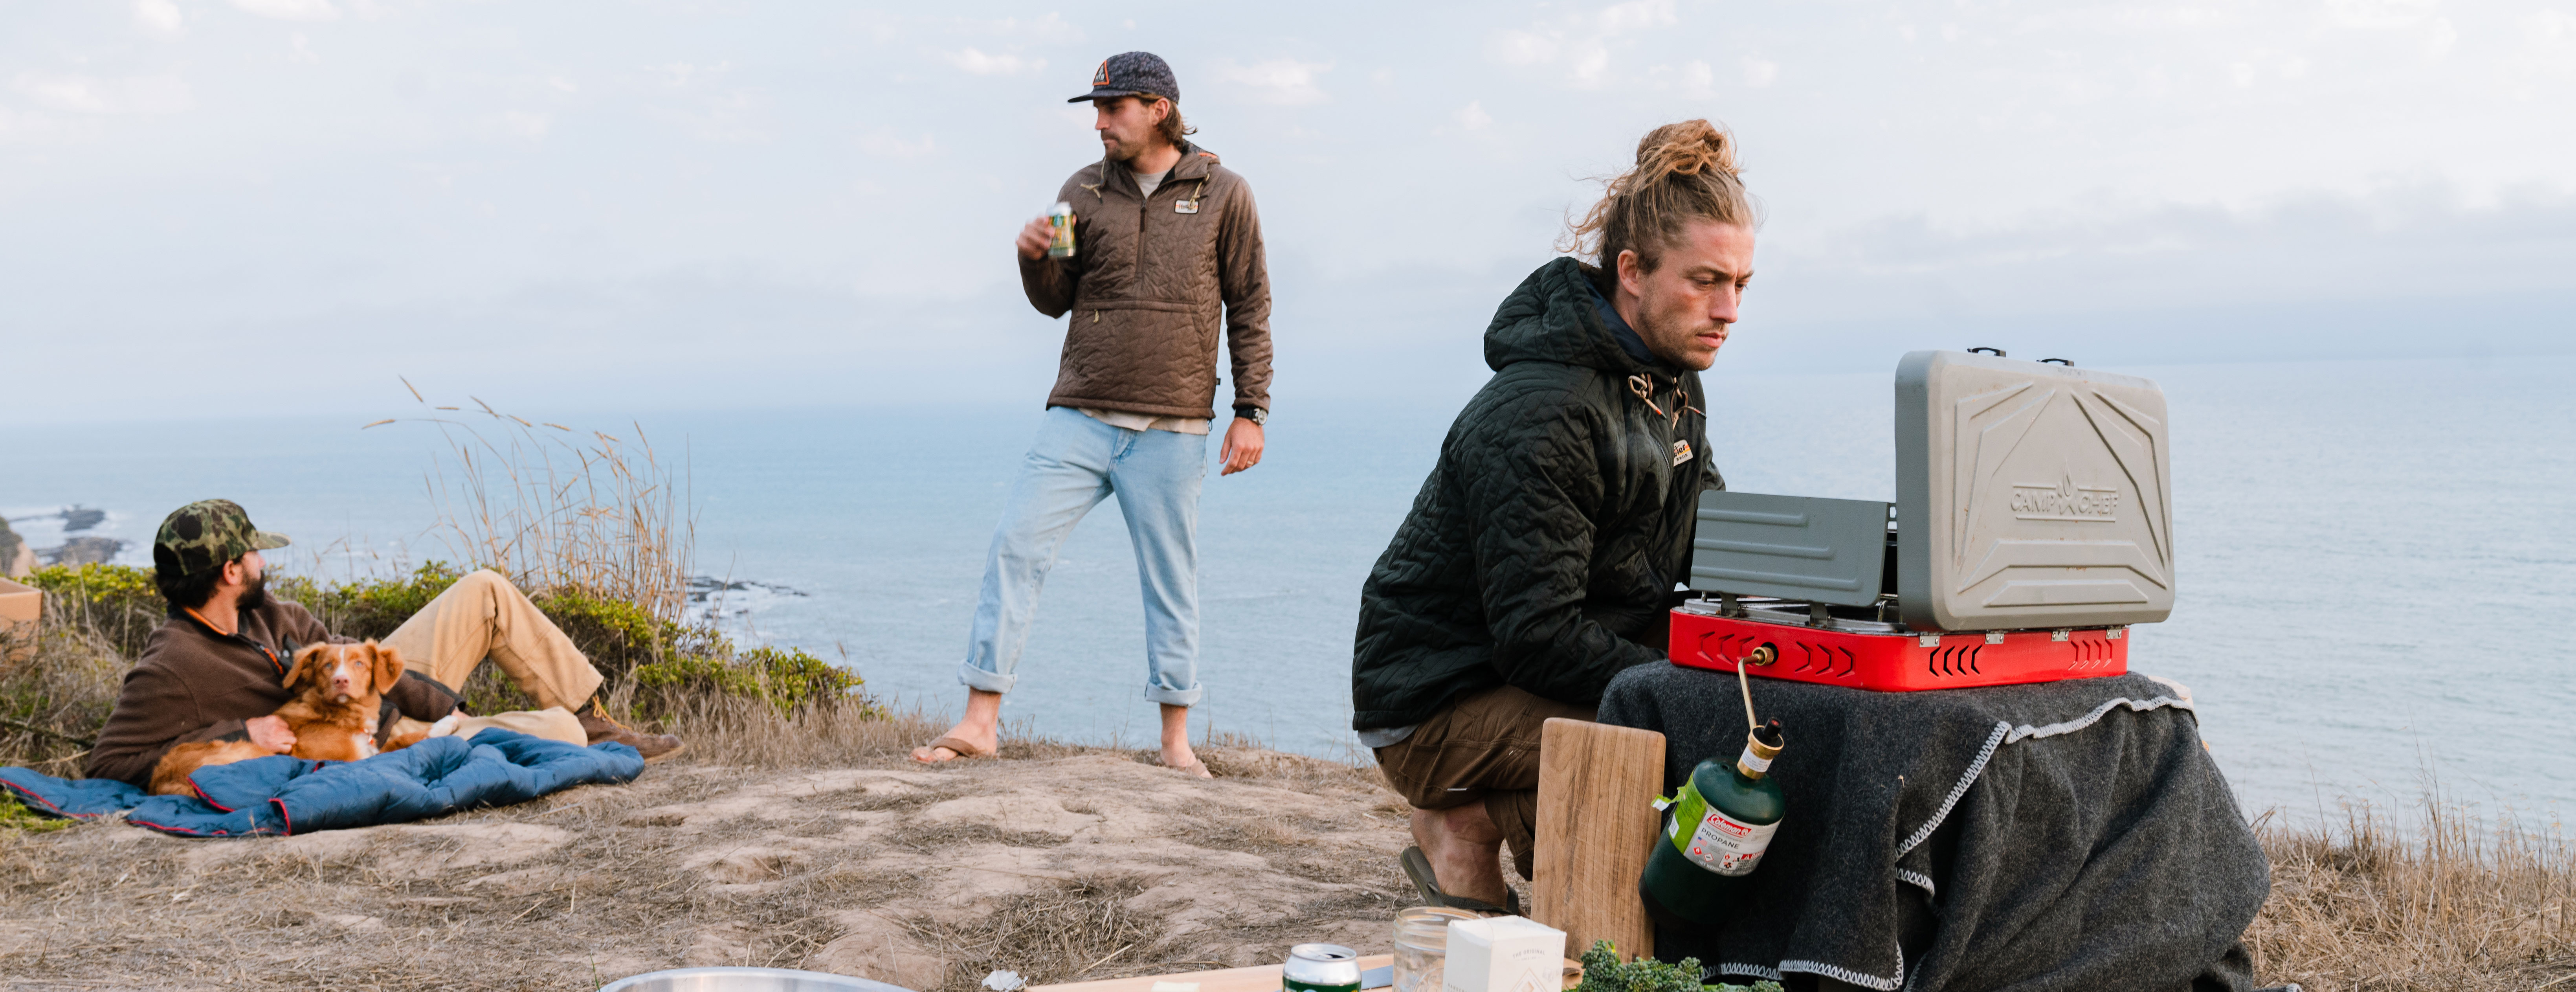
{"x": 1715, "y": 831}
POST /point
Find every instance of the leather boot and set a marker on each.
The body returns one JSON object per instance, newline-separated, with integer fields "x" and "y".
{"x": 654, "y": 747}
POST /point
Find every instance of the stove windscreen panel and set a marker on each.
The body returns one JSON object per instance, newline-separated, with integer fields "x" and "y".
{"x": 2030, "y": 495}
{"x": 1795, "y": 547}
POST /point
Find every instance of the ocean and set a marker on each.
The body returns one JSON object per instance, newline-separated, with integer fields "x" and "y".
{"x": 2373, "y": 560}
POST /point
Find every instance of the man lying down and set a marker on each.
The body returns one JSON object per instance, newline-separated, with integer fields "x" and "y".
{"x": 216, "y": 669}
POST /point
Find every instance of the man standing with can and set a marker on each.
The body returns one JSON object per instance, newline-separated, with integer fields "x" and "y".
{"x": 1166, "y": 244}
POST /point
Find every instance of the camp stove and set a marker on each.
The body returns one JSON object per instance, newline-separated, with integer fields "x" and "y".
{"x": 2033, "y": 525}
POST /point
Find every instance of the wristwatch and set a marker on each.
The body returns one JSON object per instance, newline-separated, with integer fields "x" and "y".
{"x": 1257, "y": 415}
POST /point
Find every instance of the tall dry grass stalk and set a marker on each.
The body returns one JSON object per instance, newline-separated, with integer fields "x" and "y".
{"x": 560, "y": 509}
{"x": 2456, "y": 903}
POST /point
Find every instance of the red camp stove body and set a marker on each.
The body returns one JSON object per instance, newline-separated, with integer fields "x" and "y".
{"x": 1780, "y": 641}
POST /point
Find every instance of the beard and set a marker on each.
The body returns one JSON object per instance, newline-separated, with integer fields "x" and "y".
{"x": 256, "y": 594}
{"x": 1670, "y": 327}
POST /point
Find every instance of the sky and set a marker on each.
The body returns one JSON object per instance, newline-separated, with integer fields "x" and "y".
{"x": 263, "y": 207}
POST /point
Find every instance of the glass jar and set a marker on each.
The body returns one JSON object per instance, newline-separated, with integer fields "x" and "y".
{"x": 1422, "y": 945}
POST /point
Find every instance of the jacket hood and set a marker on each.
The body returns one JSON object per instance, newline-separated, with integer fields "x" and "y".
{"x": 1553, "y": 317}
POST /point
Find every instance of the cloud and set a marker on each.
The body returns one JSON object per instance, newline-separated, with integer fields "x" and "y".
{"x": 2549, "y": 49}
{"x": 94, "y": 95}
{"x": 884, "y": 143}
{"x": 1759, "y": 73}
{"x": 158, "y": 16}
{"x": 2409, "y": 240}
{"x": 1580, "y": 43}
{"x": 1286, "y": 82}
{"x": 1473, "y": 116}
{"x": 974, "y": 60}
{"x": 290, "y": 10}
{"x": 527, "y": 124}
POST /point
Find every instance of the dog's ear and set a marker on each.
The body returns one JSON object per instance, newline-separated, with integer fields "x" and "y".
{"x": 308, "y": 665}
{"x": 388, "y": 665}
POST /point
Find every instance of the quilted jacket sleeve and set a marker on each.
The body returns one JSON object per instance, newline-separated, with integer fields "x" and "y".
{"x": 1532, "y": 493}
{"x": 1243, "y": 280}
{"x": 1051, "y": 282}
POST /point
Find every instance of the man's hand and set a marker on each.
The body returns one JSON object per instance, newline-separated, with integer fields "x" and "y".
{"x": 1242, "y": 448}
{"x": 1035, "y": 238}
{"x": 271, "y": 733}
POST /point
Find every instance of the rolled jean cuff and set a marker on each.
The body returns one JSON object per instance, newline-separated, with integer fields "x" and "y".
{"x": 977, "y": 678}
{"x": 1175, "y": 697}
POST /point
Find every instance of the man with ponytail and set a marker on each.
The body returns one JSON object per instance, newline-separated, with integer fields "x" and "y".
{"x": 1542, "y": 553}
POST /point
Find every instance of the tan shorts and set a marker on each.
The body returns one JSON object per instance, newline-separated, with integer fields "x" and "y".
{"x": 1483, "y": 747}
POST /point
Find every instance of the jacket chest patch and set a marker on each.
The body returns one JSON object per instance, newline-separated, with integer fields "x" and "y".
{"x": 1185, "y": 206}
{"x": 1681, "y": 452}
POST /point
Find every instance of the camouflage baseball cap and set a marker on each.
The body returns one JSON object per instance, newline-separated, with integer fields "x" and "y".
{"x": 206, "y": 534}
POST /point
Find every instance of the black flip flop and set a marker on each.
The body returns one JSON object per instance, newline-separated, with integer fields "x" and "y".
{"x": 1417, "y": 866}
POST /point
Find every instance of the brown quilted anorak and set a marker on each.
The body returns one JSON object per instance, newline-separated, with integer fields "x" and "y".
{"x": 1148, "y": 284}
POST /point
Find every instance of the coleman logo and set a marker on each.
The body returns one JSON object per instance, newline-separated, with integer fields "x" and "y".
{"x": 2064, "y": 501}
{"x": 1101, "y": 77}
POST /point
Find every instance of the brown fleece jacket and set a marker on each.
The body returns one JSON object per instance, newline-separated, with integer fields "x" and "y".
{"x": 194, "y": 684}
{"x": 1145, "y": 284}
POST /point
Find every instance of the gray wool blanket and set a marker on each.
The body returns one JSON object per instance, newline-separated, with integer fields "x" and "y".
{"x": 2065, "y": 836}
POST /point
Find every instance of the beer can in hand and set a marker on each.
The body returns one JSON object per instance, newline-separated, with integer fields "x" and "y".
{"x": 1321, "y": 968}
{"x": 1060, "y": 217}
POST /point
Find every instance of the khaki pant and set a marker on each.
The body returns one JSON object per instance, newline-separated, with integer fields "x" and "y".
{"x": 1482, "y": 748}
{"x": 484, "y": 616}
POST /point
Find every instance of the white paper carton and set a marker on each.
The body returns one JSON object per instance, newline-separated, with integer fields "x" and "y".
{"x": 1504, "y": 954}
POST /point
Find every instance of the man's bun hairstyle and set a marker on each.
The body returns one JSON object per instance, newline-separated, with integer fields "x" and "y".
{"x": 1685, "y": 172}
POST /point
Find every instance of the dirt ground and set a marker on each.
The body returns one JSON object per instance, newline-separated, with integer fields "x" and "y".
{"x": 1091, "y": 864}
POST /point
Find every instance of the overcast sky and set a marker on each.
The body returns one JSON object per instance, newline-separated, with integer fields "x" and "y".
{"x": 276, "y": 206}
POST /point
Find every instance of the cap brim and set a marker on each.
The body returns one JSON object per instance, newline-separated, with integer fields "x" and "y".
{"x": 261, "y": 540}
{"x": 1106, "y": 93}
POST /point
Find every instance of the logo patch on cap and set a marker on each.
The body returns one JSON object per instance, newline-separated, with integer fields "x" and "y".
{"x": 1101, "y": 78}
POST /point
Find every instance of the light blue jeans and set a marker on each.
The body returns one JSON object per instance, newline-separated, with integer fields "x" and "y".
{"x": 1075, "y": 463}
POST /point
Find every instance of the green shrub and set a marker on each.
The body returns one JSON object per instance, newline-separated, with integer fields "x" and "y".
{"x": 366, "y": 608}
{"x": 98, "y": 618}
{"x": 118, "y": 602}
{"x": 782, "y": 677}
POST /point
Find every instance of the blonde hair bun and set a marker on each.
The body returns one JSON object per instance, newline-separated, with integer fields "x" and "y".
{"x": 1685, "y": 171}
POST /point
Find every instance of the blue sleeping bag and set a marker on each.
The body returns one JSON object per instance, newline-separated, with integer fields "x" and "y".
{"x": 283, "y": 795}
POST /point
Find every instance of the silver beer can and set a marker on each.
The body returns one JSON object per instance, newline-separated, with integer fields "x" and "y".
{"x": 1321, "y": 968}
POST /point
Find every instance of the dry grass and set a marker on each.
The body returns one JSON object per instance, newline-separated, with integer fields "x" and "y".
{"x": 831, "y": 863}
{"x": 57, "y": 683}
{"x": 557, "y": 508}
{"x": 1061, "y": 932}
{"x": 2445, "y": 902}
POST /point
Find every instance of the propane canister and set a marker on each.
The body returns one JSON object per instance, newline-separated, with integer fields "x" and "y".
{"x": 1715, "y": 831}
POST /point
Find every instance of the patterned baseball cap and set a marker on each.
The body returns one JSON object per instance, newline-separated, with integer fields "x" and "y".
{"x": 206, "y": 534}
{"x": 1132, "y": 74}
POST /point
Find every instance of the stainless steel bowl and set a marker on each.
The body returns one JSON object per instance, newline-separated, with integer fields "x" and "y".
{"x": 745, "y": 980}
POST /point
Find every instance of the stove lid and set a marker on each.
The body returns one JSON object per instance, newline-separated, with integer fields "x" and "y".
{"x": 2030, "y": 495}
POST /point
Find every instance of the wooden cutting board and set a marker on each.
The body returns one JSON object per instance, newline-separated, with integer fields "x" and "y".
{"x": 1597, "y": 786}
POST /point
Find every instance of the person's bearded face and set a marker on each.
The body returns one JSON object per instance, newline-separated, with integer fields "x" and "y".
{"x": 1687, "y": 304}
{"x": 255, "y": 594}
{"x": 1127, "y": 127}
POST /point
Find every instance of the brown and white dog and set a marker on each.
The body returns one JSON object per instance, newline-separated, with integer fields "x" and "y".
{"x": 339, "y": 690}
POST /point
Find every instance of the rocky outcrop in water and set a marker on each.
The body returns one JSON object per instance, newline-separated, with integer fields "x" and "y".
{"x": 78, "y": 551}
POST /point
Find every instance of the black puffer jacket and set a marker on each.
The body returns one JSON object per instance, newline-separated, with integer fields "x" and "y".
{"x": 1542, "y": 550}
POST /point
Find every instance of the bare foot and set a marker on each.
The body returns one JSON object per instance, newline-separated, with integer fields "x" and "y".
{"x": 1464, "y": 848}
{"x": 981, "y": 729}
{"x": 1176, "y": 739}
